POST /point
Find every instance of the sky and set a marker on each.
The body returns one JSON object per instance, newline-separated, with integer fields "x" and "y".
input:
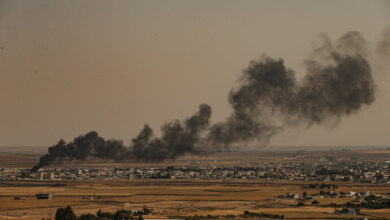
{"x": 69, "y": 67}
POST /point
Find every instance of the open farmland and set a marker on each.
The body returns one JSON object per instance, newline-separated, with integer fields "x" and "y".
{"x": 172, "y": 198}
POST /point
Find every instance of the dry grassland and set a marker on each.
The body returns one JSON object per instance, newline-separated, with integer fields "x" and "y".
{"x": 173, "y": 200}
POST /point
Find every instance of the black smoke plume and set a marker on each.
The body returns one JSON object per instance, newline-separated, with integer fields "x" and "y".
{"x": 338, "y": 82}
{"x": 177, "y": 138}
{"x": 82, "y": 148}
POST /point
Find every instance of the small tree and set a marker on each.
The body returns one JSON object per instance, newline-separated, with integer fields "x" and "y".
{"x": 315, "y": 202}
{"x": 300, "y": 204}
{"x": 65, "y": 214}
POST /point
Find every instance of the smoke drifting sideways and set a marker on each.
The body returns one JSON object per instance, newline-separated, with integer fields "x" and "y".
{"x": 338, "y": 82}
{"x": 178, "y": 138}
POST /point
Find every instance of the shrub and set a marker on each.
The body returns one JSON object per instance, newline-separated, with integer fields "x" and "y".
{"x": 315, "y": 202}
{"x": 65, "y": 214}
{"x": 88, "y": 217}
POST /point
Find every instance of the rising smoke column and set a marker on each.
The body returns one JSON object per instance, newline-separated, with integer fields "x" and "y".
{"x": 266, "y": 86}
{"x": 83, "y": 147}
{"x": 338, "y": 82}
{"x": 177, "y": 138}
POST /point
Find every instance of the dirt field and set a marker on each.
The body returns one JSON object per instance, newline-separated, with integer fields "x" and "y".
{"x": 169, "y": 198}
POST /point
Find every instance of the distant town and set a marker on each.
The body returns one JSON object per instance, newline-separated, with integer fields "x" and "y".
{"x": 324, "y": 169}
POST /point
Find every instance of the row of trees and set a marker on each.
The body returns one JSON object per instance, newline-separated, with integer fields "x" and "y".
{"x": 320, "y": 186}
{"x": 372, "y": 202}
{"x": 67, "y": 213}
{"x": 245, "y": 215}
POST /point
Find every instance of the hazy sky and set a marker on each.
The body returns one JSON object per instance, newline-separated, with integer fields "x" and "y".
{"x": 68, "y": 67}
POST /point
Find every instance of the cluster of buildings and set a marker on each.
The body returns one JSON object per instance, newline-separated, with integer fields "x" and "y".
{"x": 322, "y": 169}
{"x": 355, "y": 196}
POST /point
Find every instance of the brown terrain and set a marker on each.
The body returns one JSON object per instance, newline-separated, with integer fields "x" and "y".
{"x": 169, "y": 198}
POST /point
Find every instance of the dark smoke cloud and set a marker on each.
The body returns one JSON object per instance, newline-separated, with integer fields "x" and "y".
{"x": 338, "y": 82}
{"x": 177, "y": 138}
{"x": 90, "y": 145}
{"x": 264, "y": 83}
{"x": 269, "y": 98}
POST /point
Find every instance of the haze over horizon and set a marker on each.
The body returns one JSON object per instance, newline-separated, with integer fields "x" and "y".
{"x": 70, "y": 67}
